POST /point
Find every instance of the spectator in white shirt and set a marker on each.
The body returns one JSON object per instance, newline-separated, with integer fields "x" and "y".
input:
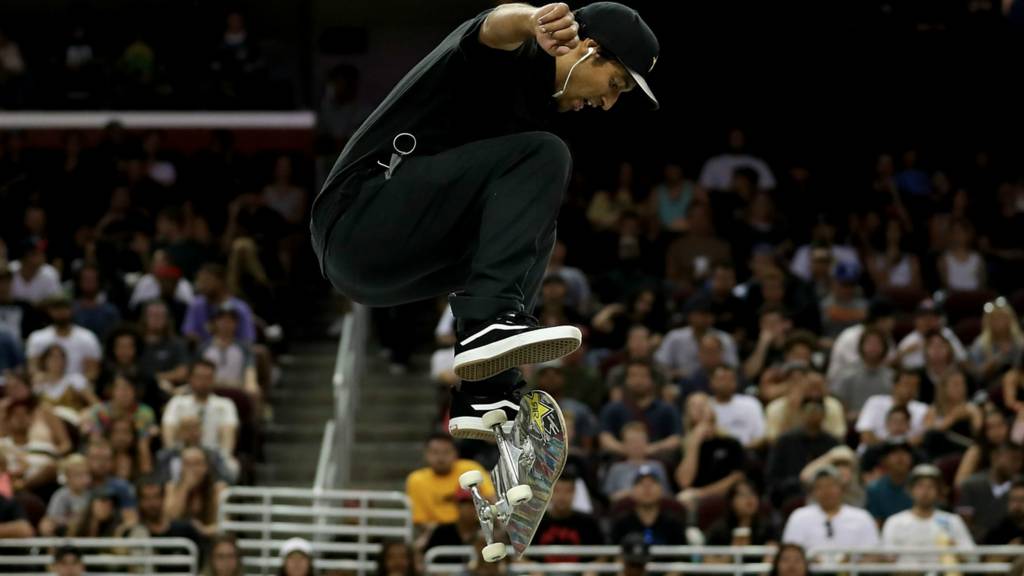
{"x": 823, "y": 237}
{"x": 741, "y": 416}
{"x": 81, "y": 346}
{"x": 34, "y": 279}
{"x": 679, "y": 350}
{"x": 829, "y": 522}
{"x": 218, "y": 415}
{"x": 871, "y": 424}
{"x": 924, "y": 525}
{"x": 928, "y": 319}
{"x": 163, "y": 278}
{"x": 718, "y": 171}
{"x": 846, "y": 349}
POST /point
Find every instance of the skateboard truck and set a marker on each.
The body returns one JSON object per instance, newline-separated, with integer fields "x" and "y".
{"x": 506, "y": 474}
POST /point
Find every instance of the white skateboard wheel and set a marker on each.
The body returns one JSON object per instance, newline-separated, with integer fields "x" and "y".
{"x": 519, "y": 494}
{"x": 471, "y": 478}
{"x": 493, "y": 552}
{"x": 494, "y": 418}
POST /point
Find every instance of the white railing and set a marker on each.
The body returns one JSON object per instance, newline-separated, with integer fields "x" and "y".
{"x": 263, "y": 518}
{"x": 103, "y": 556}
{"x": 86, "y": 120}
{"x": 334, "y": 469}
{"x": 605, "y": 560}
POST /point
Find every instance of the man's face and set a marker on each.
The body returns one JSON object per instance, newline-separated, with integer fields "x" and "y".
{"x": 78, "y": 478}
{"x": 872, "y": 350}
{"x": 701, "y": 320}
{"x": 925, "y": 493}
{"x": 709, "y": 354}
{"x": 898, "y": 463}
{"x": 561, "y": 497}
{"x": 723, "y": 383}
{"x": 897, "y": 425}
{"x": 1007, "y": 462}
{"x": 1015, "y": 505}
{"x": 647, "y": 491}
{"x": 635, "y": 443}
{"x": 224, "y": 325}
{"x": 596, "y": 81}
{"x": 440, "y": 456}
{"x": 638, "y": 380}
{"x": 189, "y": 431}
{"x": 60, "y": 314}
{"x": 828, "y": 493}
{"x": 814, "y": 414}
{"x": 89, "y": 282}
{"x": 927, "y": 322}
{"x": 68, "y": 565}
{"x": 905, "y": 389}
{"x": 201, "y": 379}
{"x": 99, "y": 461}
{"x": 638, "y": 342}
{"x": 208, "y": 284}
{"x": 723, "y": 280}
{"x": 151, "y": 503}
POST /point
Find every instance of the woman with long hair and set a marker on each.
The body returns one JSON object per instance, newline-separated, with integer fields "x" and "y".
{"x": 1000, "y": 346}
{"x": 121, "y": 360}
{"x": 893, "y": 267}
{"x": 790, "y": 560}
{"x": 939, "y": 362}
{"x": 46, "y": 427}
{"x": 100, "y": 519}
{"x": 247, "y": 279}
{"x": 225, "y": 557}
{"x": 196, "y": 495}
{"x": 59, "y": 389}
{"x": 743, "y": 523}
{"x": 131, "y": 457}
{"x": 995, "y": 430}
{"x": 951, "y": 420}
{"x": 396, "y": 559}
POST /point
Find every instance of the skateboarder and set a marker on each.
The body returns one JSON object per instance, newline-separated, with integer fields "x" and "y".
{"x": 450, "y": 186}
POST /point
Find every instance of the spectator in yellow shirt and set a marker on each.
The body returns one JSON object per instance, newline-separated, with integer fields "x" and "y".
{"x": 432, "y": 488}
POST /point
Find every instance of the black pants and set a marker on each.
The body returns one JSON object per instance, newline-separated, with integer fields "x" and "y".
{"x": 477, "y": 221}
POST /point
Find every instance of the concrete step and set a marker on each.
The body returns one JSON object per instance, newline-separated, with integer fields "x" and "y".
{"x": 367, "y": 432}
{"x": 291, "y": 413}
{"x": 396, "y": 412}
{"x": 298, "y": 454}
{"x": 285, "y": 433}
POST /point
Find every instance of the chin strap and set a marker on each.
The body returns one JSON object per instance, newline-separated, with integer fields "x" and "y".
{"x": 569, "y": 75}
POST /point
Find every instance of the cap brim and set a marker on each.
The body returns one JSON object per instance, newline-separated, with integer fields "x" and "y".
{"x": 642, "y": 83}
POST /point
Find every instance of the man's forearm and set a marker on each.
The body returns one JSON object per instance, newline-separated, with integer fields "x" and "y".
{"x": 508, "y": 26}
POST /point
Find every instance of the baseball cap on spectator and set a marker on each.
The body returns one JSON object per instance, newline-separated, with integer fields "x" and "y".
{"x": 928, "y": 307}
{"x": 645, "y": 471}
{"x": 634, "y": 550}
{"x": 296, "y": 544}
{"x": 827, "y": 471}
{"x": 925, "y": 471}
{"x": 103, "y": 492}
{"x": 846, "y": 273}
{"x": 227, "y": 308}
{"x": 167, "y": 271}
{"x": 58, "y": 300}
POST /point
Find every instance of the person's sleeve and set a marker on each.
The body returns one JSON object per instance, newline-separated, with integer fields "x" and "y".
{"x": 246, "y": 325}
{"x": 193, "y": 324}
{"x": 663, "y": 355}
{"x": 958, "y": 347}
{"x": 757, "y": 419}
{"x": 91, "y": 345}
{"x": 865, "y": 421}
{"x": 609, "y": 420}
{"x": 230, "y": 414}
{"x": 57, "y": 506}
{"x": 835, "y": 419}
{"x": 961, "y": 535}
{"x": 707, "y": 177}
{"x": 890, "y": 532}
{"x": 418, "y": 498}
{"x": 800, "y": 265}
{"x": 171, "y": 416}
{"x": 731, "y": 356}
{"x": 612, "y": 480}
{"x": 469, "y": 45}
{"x": 767, "y": 178}
{"x": 792, "y": 533}
{"x": 873, "y": 506}
{"x": 35, "y": 345}
{"x": 674, "y": 423}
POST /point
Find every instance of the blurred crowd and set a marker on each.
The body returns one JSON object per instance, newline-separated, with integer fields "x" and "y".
{"x": 764, "y": 362}
{"x": 144, "y": 295}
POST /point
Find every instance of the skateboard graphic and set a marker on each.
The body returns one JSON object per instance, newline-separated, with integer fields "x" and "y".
{"x": 531, "y": 455}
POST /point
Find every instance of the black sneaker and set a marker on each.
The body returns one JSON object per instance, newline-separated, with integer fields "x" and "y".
{"x": 465, "y": 417}
{"x": 508, "y": 341}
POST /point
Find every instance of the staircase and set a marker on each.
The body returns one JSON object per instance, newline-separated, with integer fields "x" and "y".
{"x": 393, "y": 420}
{"x": 302, "y": 403}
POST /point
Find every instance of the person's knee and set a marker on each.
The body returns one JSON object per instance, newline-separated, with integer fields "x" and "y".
{"x": 550, "y": 147}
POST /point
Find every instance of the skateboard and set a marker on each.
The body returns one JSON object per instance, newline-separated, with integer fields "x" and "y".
{"x": 531, "y": 454}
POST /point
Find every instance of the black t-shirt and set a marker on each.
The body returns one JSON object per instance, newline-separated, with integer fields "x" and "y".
{"x": 1005, "y": 532}
{"x": 461, "y": 92}
{"x": 10, "y": 510}
{"x": 577, "y": 529}
{"x": 667, "y": 530}
{"x": 719, "y": 457}
{"x": 761, "y": 532}
{"x": 445, "y": 535}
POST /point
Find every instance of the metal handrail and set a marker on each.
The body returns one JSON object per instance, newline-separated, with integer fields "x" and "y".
{"x": 324, "y": 460}
{"x": 138, "y": 552}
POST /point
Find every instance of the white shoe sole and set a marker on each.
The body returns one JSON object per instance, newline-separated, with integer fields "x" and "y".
{"x": 472, "y": 428}
{"x": 533, "y": 347}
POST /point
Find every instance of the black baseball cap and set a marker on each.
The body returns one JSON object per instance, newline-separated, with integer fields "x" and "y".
{"x": 620, "y": 30}
{"x": 645, "y": 471}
